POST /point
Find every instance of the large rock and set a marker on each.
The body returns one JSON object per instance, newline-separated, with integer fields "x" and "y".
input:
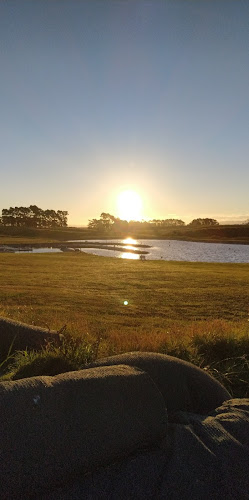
{"x": 22, "y": 336}
{"x": 53, "y": 429}
{"x": 184, "y": 386}
{"x": 102, "y": 434}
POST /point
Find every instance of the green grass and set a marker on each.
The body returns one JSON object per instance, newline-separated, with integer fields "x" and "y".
{"x": 226, "y": 234}
{"x": 195, "y": 311}
{"x": 20, "y": 235}
{"x": 72, "y": 354}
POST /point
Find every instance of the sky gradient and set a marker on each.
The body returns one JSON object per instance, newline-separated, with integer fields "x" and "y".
{"x": 102, "y": 96}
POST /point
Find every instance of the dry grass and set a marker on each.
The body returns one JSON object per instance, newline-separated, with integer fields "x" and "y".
{"x": 196, "y": 311}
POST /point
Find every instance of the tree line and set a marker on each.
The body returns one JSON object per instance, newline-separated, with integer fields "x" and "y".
{"x": 34, "y": 217}
{"x": 108, "y": 221}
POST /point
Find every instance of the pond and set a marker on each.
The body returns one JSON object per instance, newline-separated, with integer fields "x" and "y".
{"x": 175, "y": 250}
{"x": 130, "y": 248}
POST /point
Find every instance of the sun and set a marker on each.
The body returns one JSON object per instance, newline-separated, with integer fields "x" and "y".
{"x": 129, "y": 205}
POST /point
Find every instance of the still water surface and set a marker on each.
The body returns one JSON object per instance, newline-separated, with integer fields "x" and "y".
{"x": 179, "y": 251}
{"x": 166, "y": 250}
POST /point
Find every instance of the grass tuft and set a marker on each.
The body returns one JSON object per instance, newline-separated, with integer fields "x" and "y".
{"x": 72, "y": 354}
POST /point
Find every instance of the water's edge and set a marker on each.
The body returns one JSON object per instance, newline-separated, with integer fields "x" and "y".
{"x": 176, "y": 250}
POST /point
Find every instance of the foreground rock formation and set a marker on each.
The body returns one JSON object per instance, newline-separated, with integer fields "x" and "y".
{"x": 127, "y": 430}
{"x": 21, "y": 336}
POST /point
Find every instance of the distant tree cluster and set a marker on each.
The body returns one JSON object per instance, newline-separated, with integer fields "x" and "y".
{"x": 167, "y": 222}
{"x": 33, "y": 216}
{"x": 204, "y": 222}
{"x": 106, "y": 222}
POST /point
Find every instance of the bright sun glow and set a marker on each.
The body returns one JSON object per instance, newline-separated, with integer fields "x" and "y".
{"x": 129, "y": 206}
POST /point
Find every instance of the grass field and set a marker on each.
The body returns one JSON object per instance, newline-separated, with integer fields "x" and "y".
{"x": 218, "y": 234}
{"x": 179, "y": 308}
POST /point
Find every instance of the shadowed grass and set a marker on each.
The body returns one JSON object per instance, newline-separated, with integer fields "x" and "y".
{"x": 72, "y": 354}
{"x": 76, "y": 353}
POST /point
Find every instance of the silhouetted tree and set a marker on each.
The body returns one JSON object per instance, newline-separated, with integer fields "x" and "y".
{"x": 120, "y": 225}
{"x": 167, "y": 222}
{"x": 33, "y": 216}
{"x": 108, "y": 222}
{"x": 105, "y": 223}
{"x": 204, "y": 222}
{"x": 95, "y": 224}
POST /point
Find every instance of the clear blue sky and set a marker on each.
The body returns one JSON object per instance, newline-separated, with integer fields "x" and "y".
{"x": 103, "y": 95}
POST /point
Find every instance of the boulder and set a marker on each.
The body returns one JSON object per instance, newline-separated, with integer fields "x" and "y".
{"x": 22, "y": 336}
{"x": 54, "y": 429}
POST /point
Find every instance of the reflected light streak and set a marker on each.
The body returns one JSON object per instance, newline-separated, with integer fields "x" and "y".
{"x": 129, "y": 240}
{"x": 128, "y": 255}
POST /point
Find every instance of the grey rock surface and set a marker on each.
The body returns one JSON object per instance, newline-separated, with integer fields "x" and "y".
{"x": 21, "y": 336}
{"x": 54, "y": 428}
{"x": 183, "y": 385}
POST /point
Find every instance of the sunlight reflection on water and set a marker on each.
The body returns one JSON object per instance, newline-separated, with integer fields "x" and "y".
{"x": 129, "y": 240}
{"x": 129, "y": 255}
{"x": 130, "y": 247}
{"x": 182, "y": 251}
